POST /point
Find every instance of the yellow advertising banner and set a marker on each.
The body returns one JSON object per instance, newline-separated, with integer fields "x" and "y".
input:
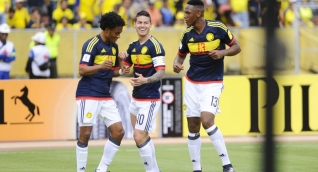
{"x": 46, "y": 109}
{"x": 37, "y": 109}
{"x": 243, "y": 106}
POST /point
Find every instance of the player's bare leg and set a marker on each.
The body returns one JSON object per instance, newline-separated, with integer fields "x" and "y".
{"x": 112, "y": 145}
{"x": 194, "y": 142}
{"x": 207, "y": 119}
{"x": 146, "y": 147}
{"x": 81, "y": 148}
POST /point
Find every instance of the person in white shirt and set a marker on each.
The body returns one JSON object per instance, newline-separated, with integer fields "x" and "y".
{"x": 38, "y": 65}
{"x": 7, "y": 52}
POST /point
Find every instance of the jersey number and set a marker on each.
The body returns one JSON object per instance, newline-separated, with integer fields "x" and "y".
{"x": 137, "y": 59}
{"x": 214, "y": 101}
{"x": 201, "y": 47}
{"x": 140, "y": 119}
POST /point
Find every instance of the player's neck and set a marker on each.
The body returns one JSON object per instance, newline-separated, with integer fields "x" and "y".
{"x": 104, "y": 38}
{"x": 143, "y": 39}
{"x": 200, "y": 25}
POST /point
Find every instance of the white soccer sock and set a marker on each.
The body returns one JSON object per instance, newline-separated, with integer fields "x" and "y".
{"x": 145, "y": 152}
{"x": 218, "y": 142}
{"x": 110, "y": 149}
{"x": 155, "y": 165}
{"x": 81, "y": 158}
{"x": 194, "y": 146}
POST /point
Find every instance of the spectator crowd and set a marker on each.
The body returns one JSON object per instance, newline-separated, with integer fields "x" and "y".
{"x": 84, "y": 14}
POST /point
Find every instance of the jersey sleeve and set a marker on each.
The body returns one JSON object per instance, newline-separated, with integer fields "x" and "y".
{"x": 88, "y": 53}
{"x": 183, "y": 47}
{"x": 128, "y": 60}
{"x": 226, "y": 35}
{"x": 157, "y": 54}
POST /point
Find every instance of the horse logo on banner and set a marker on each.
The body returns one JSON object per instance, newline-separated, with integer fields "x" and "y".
{"x": 26, "y": 101}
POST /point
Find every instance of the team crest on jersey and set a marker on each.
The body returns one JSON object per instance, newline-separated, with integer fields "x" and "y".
{"x": 114, "y": 51}
{"x": 144, "y": 50}
{"x": 134, "y": 50}
{"x": 89, "y": 115}
{"x": 191, "y": 40}
{"x": 209, "y": 36}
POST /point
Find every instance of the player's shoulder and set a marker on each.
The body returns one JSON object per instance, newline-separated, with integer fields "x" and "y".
{"x": 188, "y": 29}
{"x": 90, "y": 43}
{"x": 216, "y": 24}
{"x": 133, "y": 43}
{"x": 154, "y": 41}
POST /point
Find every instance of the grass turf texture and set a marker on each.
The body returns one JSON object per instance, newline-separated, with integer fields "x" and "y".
{"x": 246, "y": 157}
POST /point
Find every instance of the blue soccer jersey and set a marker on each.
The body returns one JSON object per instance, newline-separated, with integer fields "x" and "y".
{"x": 94, "y": 52}
{"x": 214, "y": 36}
{"x": 147, "y": 58}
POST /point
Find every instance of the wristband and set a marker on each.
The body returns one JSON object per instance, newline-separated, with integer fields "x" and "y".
{"x": 120, "y": 72}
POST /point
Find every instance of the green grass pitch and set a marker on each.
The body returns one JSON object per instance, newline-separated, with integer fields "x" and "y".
{"x": 246, "y": 157}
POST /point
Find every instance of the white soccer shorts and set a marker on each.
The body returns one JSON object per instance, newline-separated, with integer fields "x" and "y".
{"x": 88, "y": 110}
{"x": 145, "y": 112}
{"x": 201, "y": 97}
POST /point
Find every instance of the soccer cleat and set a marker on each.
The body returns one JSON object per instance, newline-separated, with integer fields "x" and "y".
{"x": 198, "y": 170}
{"x": 228, "y": 169}
{"x": 97, "y": 170}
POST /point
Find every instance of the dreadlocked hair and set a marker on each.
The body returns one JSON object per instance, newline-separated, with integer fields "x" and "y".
{"x": 111, "y": 20}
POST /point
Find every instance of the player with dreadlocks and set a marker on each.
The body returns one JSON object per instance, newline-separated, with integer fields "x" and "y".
{"x": 98, "y": 65}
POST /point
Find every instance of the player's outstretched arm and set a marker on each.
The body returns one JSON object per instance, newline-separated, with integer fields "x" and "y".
{"x": 90, "y": 70}
{"x": 177, "y": 64}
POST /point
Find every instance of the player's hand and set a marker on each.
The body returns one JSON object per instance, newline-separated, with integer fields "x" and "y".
{"x": 106, "y": 65}
{"x": 138, "y": 81}
{"x": 177, "y": 68}
{"x": 216, "y": 54}
{"x": 125, "y": 69}
{"x": 123, "y": 55}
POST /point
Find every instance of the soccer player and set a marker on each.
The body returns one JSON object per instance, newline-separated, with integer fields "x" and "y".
{"x": 99, "y": 64}
{"x": 7, "y": 52}
{"x": 205, "y": 40}
{"x": 147, "y": 56}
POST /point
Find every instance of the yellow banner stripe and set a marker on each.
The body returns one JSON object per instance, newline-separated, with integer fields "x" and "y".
{"x": 141, "y": 59}
{"x": 91, "y": 44}
{"x": 201, "y": 47}
{"x": 99, "y": 59}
